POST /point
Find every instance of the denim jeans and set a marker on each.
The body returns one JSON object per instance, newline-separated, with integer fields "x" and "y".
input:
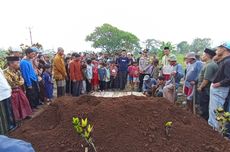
{"x": 217, "y": 99}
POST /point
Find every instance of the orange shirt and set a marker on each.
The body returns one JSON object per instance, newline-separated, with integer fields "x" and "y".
{"x": 75, "y": 71}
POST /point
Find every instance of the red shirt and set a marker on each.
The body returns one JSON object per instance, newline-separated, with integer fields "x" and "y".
{"x": 134, "y": 71}
{"x": 75, "y": 71}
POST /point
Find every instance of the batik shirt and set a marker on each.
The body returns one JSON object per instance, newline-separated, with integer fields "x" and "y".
{"x": 13, "y": 77}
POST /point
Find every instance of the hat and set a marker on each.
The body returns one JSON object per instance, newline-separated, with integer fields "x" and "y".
{"x": 226, "y": 45}
{"x": 210, "y": 52}
{"x": 166, "y": 48}
{"x": 16, "y": 49}
{"x": 147, "y": 77}
{"x": 172, "y": 58}
{"x": 12, "y": 58}
{"x": 190, "y": 55}
{"x": 30, "y": 50}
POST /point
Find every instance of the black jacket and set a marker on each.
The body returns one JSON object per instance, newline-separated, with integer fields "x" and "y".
{"x": 223, "y": 73}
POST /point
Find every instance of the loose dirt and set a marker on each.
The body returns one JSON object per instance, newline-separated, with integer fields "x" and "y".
{"x": 124, "y": 124}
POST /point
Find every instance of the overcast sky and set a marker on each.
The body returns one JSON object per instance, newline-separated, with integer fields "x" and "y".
{"x": 67, "y": 22}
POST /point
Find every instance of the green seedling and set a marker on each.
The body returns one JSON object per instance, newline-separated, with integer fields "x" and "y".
{"x": 84, "y": 129}
{"x": 168, "y": 126}
{"x": 223, "y": 119}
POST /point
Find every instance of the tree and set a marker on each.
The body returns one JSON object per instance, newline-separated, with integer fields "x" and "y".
{"x": 153, "y": 45}
{"x": 200, "y": 44}
{"x": 183, "y": 47}
{"x": 109, "y": 39}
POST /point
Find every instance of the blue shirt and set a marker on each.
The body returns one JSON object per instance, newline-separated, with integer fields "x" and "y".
{"x": 123, "y": 63}
{"x": 193, "y": 72}
{"x": 147, "y": 85}
{"x": 14, "y": 145}
{"x": 28, "y": 72}
{"x": 102, "y": 74}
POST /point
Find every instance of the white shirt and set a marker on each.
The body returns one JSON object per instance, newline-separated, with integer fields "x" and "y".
{"x": 5, "y": 89}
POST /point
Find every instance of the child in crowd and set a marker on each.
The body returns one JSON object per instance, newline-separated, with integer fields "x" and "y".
{"x": 107, "y": 79}
{"x": 48, "y": 83}
{"x": 135, "y": 72}
{"x": 95, "y": 79}
{"x": 130, "y": 75}
{"x": 102, "y": 76}
{"x": 113, "y": 75}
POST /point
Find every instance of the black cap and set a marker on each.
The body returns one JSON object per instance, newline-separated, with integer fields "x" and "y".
{"x": 210, "y": 52}
{"x": 12, "y": 58}
{"x": 166, "y": 48}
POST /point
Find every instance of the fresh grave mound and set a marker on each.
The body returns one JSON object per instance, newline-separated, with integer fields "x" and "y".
{"x": 125, "y": 124}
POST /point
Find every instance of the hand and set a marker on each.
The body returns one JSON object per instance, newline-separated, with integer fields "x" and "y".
{"x": 216, "y": 85}
{"x": 30, "y": 87}
{"x": 199, "y": 89}
{"x": 89, "y": 80}
{"x": 192, "y": 82}
{"x": 173, "y": 73}
{"x": 74, "y": 80}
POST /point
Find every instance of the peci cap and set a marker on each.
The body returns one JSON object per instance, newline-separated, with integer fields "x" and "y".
{"x": 166, "y": 48}
{"x": 210, "y": 52}
{"x": 12, "y": 58}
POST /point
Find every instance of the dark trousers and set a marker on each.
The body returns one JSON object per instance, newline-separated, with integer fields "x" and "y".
{"x": 41, "y": 91}
{"x": 68, "y": 86}
{"x": 60, "y": 91}
{"x": 141, "y": 77}
{"x": 33, "y": 95}
{"x": 88, "y": 86}
{"x": 203, "y": 98}
{"x": 113, "y": 82}
{"x": 77, "y": 88}
{"x": 7, "y": 121}
{"x": 107, "y": 85}
{"x": 122, "y": 79}
{"x": 102, "y": 85}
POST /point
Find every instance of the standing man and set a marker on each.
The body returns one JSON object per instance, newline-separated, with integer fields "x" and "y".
{"x": 59, "y": 72}
{"x": 205, "y": 79}
{"x": 221, "y": 83}
{"x": 144, "y": 67}
{"x": 166, "y": 67}
{"x": 76, "y": 76}
{"x": 30, "y": 77}
{"x": 6, "y": 113}
{"x": 123, "y": 63}
{"x": 192, "y": 74}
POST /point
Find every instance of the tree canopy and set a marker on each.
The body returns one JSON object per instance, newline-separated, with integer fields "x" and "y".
{"x": 200, "y": 44}
{"x": 183, "y": 47}
{"x": 110, "y": 38}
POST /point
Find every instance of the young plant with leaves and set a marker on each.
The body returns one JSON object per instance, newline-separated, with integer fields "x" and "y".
{"x": 84, "y": 129}
{"x": 223, "y": 119}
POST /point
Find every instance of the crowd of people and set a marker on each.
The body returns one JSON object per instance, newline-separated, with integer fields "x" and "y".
{"x": 28, "y": 81}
